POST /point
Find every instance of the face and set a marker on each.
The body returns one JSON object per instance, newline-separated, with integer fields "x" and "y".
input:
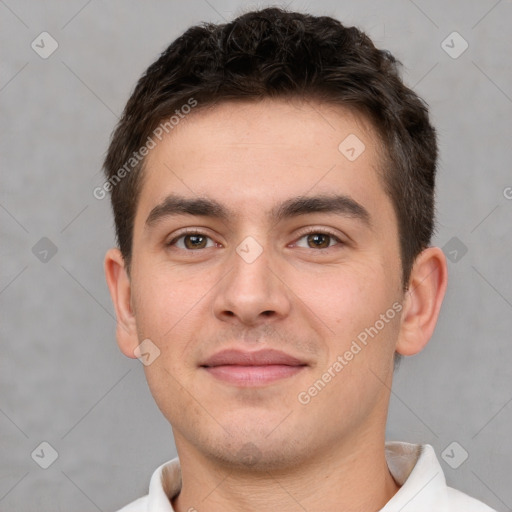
{"x": 266, "y": 271}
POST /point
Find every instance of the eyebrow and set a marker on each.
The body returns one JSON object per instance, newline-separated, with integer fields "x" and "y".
{"x": 176, "y": 205}
{"x": 344, "y": 205}
{"x": 340, "y": 204}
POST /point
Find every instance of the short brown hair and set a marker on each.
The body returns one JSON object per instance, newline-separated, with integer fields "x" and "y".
{"x": 273, "y": 53}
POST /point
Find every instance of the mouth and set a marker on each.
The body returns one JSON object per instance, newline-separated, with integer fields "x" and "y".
{"x": 244, "y": 368}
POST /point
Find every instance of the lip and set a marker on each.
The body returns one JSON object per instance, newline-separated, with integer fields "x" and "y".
{"x": 260, "y": 358}
{"x": 244, "y": 368}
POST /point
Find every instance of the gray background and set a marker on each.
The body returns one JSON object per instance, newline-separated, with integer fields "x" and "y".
{"x": 62, "y": 378}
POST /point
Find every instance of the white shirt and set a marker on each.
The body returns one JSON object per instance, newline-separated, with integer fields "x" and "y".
{"x": 414, "y": 467}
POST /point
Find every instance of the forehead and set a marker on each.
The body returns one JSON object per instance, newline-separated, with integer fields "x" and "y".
{"x": 254, "y": 155}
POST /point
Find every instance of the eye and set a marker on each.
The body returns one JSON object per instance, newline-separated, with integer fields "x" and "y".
{"x": 317, "y": 240}
{"x": 192, "y": 241}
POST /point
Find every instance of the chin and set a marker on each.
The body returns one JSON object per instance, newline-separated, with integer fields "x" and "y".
{"x": 255, "y": 454}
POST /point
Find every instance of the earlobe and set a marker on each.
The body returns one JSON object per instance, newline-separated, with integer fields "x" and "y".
{"x": 119, "y": 284}
{"x": 427, "y": 286}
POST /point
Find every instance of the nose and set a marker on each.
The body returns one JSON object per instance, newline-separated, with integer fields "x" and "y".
{"x": 252, "y": 293}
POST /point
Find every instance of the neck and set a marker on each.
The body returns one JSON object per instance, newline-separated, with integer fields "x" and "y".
{"x": 349, "y": 479}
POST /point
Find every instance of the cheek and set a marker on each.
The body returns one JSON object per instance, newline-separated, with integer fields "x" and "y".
{"x": 341, "y": 295}
{"x": 348, "y": 303}
{"x": 162, "y": 299}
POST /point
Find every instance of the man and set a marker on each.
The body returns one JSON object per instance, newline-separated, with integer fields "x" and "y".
{"x": 272, "y": 183}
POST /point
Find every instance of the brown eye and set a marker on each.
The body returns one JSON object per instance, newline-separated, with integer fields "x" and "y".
{"x": 319, "y": 240}
{"x": 192, "y": 241}
{"x": 195, "y": 241}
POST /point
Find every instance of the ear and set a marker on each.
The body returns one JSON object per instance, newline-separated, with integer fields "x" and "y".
{"x": 120, "y": 290}
{"x": 423, "y": 299}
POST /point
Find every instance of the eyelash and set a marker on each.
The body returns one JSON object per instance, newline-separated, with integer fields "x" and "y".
{"x": 184, "y": 234}
{"x": 322, "y": 231}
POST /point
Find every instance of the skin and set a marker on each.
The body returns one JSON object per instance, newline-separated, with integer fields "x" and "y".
{"x": 258, "y": 448}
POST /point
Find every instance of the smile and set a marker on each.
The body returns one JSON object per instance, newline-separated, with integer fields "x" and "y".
{"x": 243, "y": 368}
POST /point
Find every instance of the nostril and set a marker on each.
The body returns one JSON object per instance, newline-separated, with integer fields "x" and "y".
{"x": 268, "y": 313}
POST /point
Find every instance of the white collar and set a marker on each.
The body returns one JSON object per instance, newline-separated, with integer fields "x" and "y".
{"x": 414, "y": 467}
